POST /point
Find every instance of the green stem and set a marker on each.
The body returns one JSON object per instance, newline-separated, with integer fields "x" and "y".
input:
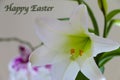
{"x": 109, "y": 27}
{"x": 79, "y": 1}
{"x": 93, "y": 19}
{"x": 38, "y": 46}
{"x": 63, "y": 19}
{"x": 105, "y": 27}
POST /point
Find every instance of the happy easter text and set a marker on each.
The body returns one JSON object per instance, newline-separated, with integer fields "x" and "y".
{"x": 17, "y": 10}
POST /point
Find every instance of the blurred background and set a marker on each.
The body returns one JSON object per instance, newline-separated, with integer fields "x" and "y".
{"x": 22, "y": 26}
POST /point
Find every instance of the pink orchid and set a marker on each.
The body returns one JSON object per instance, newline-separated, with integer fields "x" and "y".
{"x": 20, "y": 68}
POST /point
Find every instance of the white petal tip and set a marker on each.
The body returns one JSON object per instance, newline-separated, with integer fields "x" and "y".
{"x": 103, "y": 78}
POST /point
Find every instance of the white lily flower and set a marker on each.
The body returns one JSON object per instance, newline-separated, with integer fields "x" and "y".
{"x": 69, "y": 47}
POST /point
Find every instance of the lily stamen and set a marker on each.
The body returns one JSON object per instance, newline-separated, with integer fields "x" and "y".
{"x": 81, "y": 52}
{"x": 72, "y": 51}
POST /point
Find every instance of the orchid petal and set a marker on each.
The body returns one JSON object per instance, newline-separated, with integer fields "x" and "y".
{"x": 58, "y": 69}
{"x": 90, "y": 70}
{"x": 72, "y": 71}
{"x": 103, "y": 45}
{"x": 79, "y": 18}
{"x": 22, "y": 75}
{"x": 42, "y": 74}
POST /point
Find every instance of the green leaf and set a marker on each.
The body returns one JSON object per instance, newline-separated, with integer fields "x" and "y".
{"x": 112, "y": 14}
{"x": 97, "y": 60}
{"x": 116, "y": 22}
{"x": 91, "y": 30}
{"x": 103, "y": 58}
{"x": 81, "y": 76}
{"x": 103, "y": 6}
{"x": 102, "y": 69}
{"x": 63, "y": 19}
{"x": 113, "y": 22}
{"x": 93, "y": 19}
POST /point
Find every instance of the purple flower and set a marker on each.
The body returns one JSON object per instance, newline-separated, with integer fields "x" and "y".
{"x": 20, "y": 67}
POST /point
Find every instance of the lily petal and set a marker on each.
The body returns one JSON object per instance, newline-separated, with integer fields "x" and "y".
{"x": 52, "y": 32}
{"x": 55, "y": 25}
{"x": 72, "y": 71}
{"x": 103, "y": 45}
{"x": 42, "y": 56}
{"x": 90, "y": 70}
{"x": 82, "y": 59}
{"x": 58, "y": 69}
{"x": 79, "y": 18}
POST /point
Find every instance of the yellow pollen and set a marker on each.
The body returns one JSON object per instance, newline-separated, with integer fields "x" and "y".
{"x": 72, "y": 51}
{"x": 81, "y": 52}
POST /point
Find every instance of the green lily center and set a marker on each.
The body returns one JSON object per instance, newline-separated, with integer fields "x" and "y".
{"x": 80, "y": 46}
